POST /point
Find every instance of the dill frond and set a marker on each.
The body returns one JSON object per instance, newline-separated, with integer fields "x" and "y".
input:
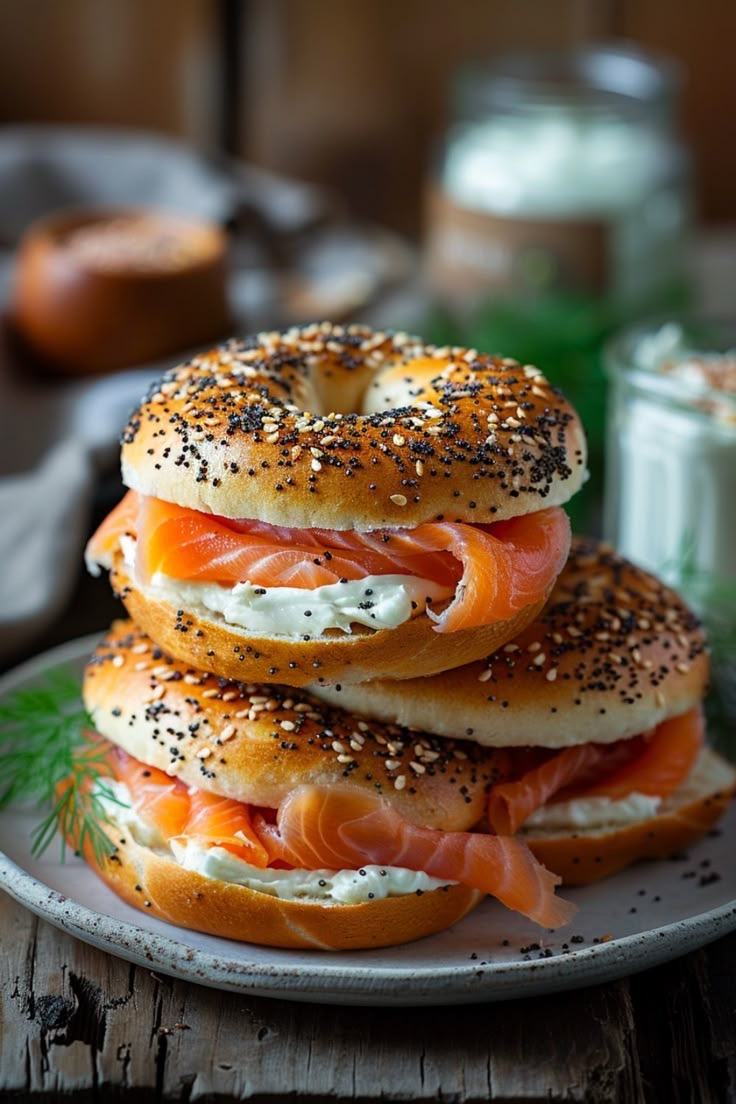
{"x": 48, "y": 756}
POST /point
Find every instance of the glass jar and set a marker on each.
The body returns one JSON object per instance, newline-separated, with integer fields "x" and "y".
{"x": 561, "y": 171}
{"x": 670, "y": 482}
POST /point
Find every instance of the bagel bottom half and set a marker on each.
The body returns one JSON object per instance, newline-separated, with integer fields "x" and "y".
{"x": 160, "y": 887}
{"x": 589, "y": 854}
{"x": 209, "y": 643}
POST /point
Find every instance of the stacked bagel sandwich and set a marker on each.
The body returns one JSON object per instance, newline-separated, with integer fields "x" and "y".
{"x": 379, "y": 521}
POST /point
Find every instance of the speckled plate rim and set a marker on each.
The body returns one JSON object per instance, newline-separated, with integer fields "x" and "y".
{"x": 369, "y": 985}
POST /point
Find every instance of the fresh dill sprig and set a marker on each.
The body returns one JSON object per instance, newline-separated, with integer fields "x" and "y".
{"x": 48, "y": 757}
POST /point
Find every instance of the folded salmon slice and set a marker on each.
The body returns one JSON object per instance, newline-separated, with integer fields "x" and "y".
{"x": 180, "y": 812}
{"x": 494, "y": 570}
{"x": 346, "y": 828}
{"x": 342, "y": 828}
{"x": 654, "y": 765}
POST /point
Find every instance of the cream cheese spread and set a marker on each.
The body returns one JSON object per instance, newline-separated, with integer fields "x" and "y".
{"x": 344, "y": 887}
{"x": 593, "y": 813}
{"x": 377, "y": 602}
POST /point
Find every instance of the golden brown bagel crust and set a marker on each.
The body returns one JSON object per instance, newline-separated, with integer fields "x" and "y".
{"x": 256, "y": 743}
{"x": 271, "y": 428}
{"x": 411, "y": 649}
{"x": 160, "y": 887}
{"x": 614, "y": 653}
{"x": 587, "y": 856}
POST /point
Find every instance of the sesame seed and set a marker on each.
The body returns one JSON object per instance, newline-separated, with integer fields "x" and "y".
{"x": 316, "y": 466}
{"x": 400, "y": 782}
{"x": 230, "y": 695}
{"x": 683, "y": 668}
{"x": 392, "y": 764}
{"x": 212, "y": 693}
{"x": 419, "y": 467}
{"x": 485, "y": 675}
{"x": 228, "y": 732}
{"x": 539, "y": 660}
{"x": 204, "y": 753}
{"x": 398, "y": 499}
{"x": 551, "y": 674}
{"x": 345, "y": 759}
{"x": 288, "y": 726}
{"x": 337, "y": 746}
{"x": 118, "y": 661}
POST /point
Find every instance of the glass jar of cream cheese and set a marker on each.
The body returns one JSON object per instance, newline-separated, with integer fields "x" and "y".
{"x": 670, "y": 484}
{"x": 561, "y": 171}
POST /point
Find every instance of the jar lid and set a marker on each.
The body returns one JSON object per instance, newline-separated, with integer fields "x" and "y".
{"x": 614, "y": 78}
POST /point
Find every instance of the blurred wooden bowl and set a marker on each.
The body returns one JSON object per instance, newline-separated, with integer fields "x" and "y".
{"x": 97, "y": 290}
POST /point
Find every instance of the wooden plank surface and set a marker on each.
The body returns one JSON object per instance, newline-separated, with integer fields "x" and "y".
{"x": 73, "y": 1019}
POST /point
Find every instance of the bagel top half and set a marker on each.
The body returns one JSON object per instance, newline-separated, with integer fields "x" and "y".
{"x": 614, "y": 653}
{"x": 346, "y": 428}
{"x": 255, "y": 743}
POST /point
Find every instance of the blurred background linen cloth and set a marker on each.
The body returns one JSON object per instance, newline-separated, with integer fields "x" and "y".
{"x": 371, "y": 161}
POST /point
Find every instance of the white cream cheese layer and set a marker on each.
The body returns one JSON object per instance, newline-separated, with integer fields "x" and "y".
{"x": 344, "y": 887}
{"x": 377, "y": 602}
{"x": 593, "y": 812}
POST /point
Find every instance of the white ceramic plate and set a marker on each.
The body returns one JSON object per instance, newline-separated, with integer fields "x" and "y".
{"x": 645, "y": 915}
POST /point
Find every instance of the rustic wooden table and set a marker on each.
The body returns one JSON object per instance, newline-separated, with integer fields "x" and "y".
{"x": 75, "y": 1020}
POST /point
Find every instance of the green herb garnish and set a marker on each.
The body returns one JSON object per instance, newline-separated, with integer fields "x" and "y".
{"x": 44, "y": 741}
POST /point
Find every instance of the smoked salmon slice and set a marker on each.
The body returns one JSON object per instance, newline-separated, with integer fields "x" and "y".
{"x": 494, "y": 570}
{"x": 668, "y": 757}
{"x": 341, "y": 828}
{"x": 179, "y": 812}
{"x": 654, "y": 765}
{"x": 157, "y": 798}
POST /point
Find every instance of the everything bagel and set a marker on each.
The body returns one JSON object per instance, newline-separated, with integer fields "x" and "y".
{"x": 601, "y": 698}
{"x": 364, "y": 487}
{"x": 256, "y": 813}
{"x": 343, "y": 428}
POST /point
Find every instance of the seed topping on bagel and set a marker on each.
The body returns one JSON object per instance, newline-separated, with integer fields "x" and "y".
{"x": 217, "y": 732}
{"x": 422, "y": 431}
{"x": 607, "y": 621}
{"x": 614, "y": 652}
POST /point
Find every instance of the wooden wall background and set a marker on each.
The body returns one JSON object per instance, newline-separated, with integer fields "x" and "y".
{"x": 349, "y": 93}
